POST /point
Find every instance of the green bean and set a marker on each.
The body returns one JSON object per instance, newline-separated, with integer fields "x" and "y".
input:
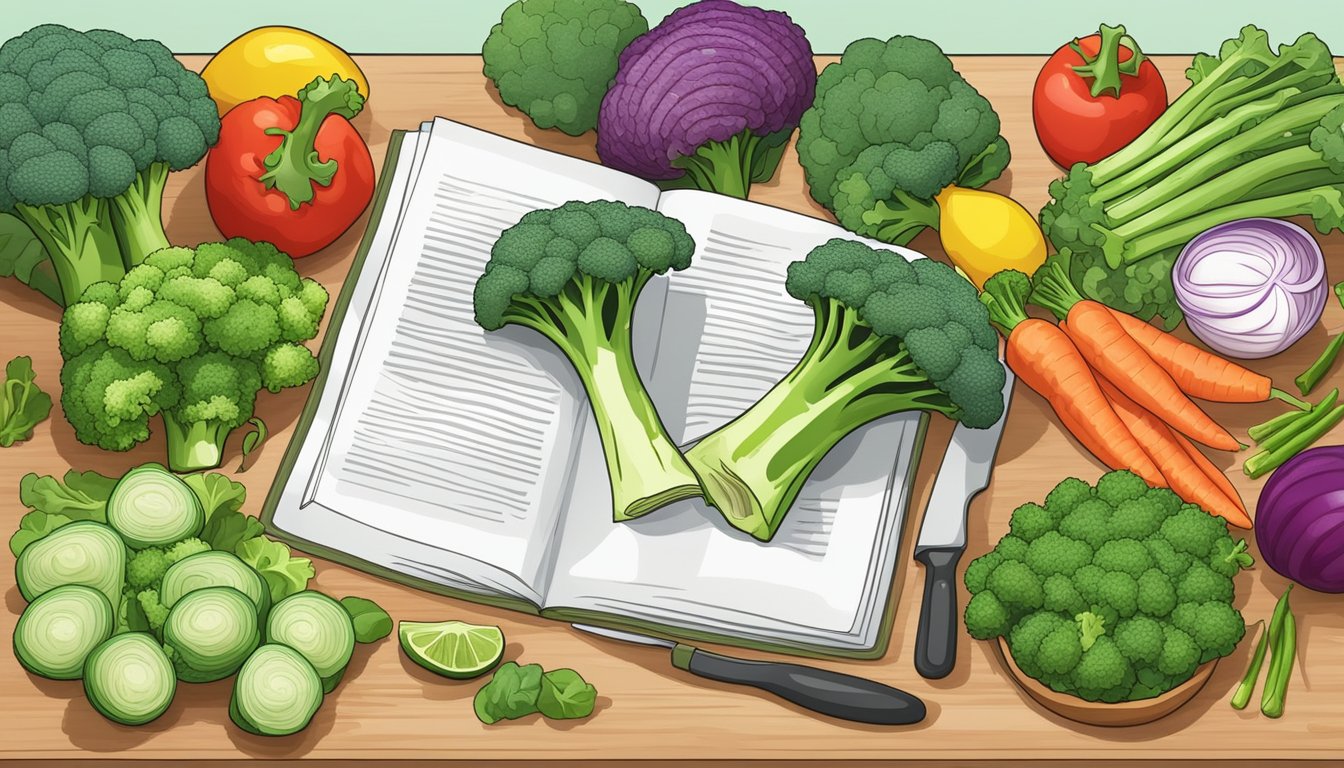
{"x": 1266, "y": 461}
{"x": 1280, "y": 668}
{"x": 1309, "y": 378}
{"x": 1261, "y": 431}
{"x": 1285, "y": 435}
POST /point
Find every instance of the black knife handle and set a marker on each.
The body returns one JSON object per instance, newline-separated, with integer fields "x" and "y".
{"x": 830, "y": 693}
{"x": 936, "y": 640}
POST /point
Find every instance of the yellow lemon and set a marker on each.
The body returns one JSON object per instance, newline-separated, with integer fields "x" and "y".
{"x": 275, "y": 61}
{"x": 984, "y": 232}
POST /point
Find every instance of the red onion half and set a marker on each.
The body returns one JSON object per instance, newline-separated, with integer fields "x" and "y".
{"x": 1251, "y": 288}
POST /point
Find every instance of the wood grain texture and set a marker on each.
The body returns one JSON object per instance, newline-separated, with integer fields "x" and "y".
{"x": 388, "y": 709}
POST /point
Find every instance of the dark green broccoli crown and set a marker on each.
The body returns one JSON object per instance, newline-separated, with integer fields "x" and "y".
{"x": 83, "y": 112}
{"x": 551, "y": 250}
{"x": 1132, "y": 570}
{"x": 194, "y": 333}
{"x": 934, "y": 312}
{"x": 555, "y": 59}
{"x": 895, "y": 119}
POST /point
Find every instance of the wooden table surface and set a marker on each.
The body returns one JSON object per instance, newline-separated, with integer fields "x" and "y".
{"x": 387, "y": 709}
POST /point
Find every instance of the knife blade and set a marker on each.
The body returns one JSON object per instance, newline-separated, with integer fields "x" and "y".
{"x": 835, "y": 694}
{"x": 964, "y": 473}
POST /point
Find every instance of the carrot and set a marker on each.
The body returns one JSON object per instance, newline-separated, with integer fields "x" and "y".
{"x": 1046, "y": 359}
{"x": 1115, "y": 355}
{"x": 1215, "y": 474}
{"x": 1190, "y": 480}
{"x": 1199, "y": 373}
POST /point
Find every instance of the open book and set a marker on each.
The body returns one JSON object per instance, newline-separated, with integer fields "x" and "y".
{"x": 467, "y": 462}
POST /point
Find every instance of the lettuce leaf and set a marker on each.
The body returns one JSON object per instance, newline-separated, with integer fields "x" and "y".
{"x": 79, "y": 496}
{"x": 284, "y": 573}
{"x": 22, "y": 404}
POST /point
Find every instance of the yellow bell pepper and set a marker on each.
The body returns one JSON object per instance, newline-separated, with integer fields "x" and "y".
{"x": 275, "y": 62}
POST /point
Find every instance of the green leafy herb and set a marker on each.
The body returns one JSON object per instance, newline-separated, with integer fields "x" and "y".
{"x": 22, "y": 405}
{"x": 32, "y": 527}
{"x": 284, "y": 573}
{"x": 511, "y": 693}
{"x": 225, "y": 526}
{"x": 565, "y": 695}
{"x": 371, "y": 622}
{"x": 79, "y": 496}
{"x": 252, "y": 440}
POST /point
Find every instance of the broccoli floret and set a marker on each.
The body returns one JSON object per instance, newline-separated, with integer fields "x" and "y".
{"x": 1012, "y": 548}
{"x": 978, "y": 571}
{"x": 1065, "y": 497}
{"x": 1088, "y": 522}
{"x": 986, "y": 617}
{"x": 1118, "y": 592}
{"x": 1060, "y": 650}
{"x": 1201, "y": 583}
{"x": 1193, "y": 531}
{"x": 1024, "y": 641}
{"x": 1142, "y": 517}
{"x": 1030, "y": 521}
{"x": 186, "y": 348}
{"x": 1215, "y": 626}
{"x": 186, "y": 548}
{"x": 145, "y": 567}
{"x": 1101, "y": 670}
{"x": 86, "y": 145}
{"x": 1157, "y": 596}
{"x": 1180, "y": 654}
{"x": 1140, "y": 639}
{"x": 1016, "y": 586}
{"x": 555, "y": 59}
{"x": 892, "y": 125}
{"x": 1166, "y": 558}
{"x": 574, "y": 274}
{"x": 891, "y": 336}
{"x": 1061, "y": 596}
{"x": 1120, "y": 486}
{"x": 155, "y": 611}
{"x": 1055, "y": 553}
{"x": 1124, "y": 555}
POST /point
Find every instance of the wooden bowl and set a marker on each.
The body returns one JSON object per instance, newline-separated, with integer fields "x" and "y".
{"x": 1100, "y": 713}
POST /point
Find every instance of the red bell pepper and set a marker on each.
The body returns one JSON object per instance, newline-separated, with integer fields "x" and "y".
{"x": 291, "y": 171}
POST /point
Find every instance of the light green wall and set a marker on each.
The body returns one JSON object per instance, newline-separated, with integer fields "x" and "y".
{"x": 459, "y": 26}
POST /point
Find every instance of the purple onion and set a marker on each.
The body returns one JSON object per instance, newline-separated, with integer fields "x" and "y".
{"x": 1251, "y": 288}
{"x": 1299, "y": 522}
{"x": 710, "y": 71}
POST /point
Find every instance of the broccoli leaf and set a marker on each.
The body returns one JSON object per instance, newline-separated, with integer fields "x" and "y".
{"x": 1091, "y": 626}
{"x": 371, "y": 622}
{"x": 252, "y": 441}
{"x": 22, "y": 256}
{"x": 565, "y": 695}
{"x": 284, "y": 573}
{"x": 79, "y": 496}
{"x": 22, "y": 404}
{"x": 34, "y": 526}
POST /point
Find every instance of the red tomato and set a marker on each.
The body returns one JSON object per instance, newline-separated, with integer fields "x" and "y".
{"x": 304, "y": 197}
{"x": 1091, "y": 98}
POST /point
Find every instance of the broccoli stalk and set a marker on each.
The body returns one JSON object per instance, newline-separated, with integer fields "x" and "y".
{"x": 574, "y": 275}
{"x": 731, "y": 166}
{"x": 888, "y": 337}
{"x": 136, "y": 215}
{"x": 1258, "y": 134}
{"x": 77, "y": 236}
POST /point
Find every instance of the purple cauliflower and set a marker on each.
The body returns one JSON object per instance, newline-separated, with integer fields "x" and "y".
{"x": 708, "y": 98}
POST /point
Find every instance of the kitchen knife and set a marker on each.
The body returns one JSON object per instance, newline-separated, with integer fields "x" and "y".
{"x": 942, "y": 538}
{"x": 830, "y": 693}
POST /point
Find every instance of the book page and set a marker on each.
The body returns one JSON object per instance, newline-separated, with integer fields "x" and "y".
{"x": 730, "y": 329}
{"x": 446, "y": 433}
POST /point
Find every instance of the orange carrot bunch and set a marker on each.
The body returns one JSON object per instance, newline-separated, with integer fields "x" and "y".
{"x": 1123, "y": 388}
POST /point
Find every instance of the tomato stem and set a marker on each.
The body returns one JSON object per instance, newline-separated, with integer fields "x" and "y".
{"x": 293, "y": 167}
{"x": 1106, "y": 67}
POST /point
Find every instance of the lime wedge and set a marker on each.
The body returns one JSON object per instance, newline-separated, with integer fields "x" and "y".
{"x": 452, "y": 648}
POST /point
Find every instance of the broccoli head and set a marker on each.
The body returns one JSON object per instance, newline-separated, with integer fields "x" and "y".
{"x": 90, "y": 125}
{"x": 555, "y": 59}
{"x": 889, "y": 336}
{"x": 190, "y": 335}
{"x": 893, "y": 124}
{"x": 574, "y": 274}
{"x": 1122, "y": 592}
